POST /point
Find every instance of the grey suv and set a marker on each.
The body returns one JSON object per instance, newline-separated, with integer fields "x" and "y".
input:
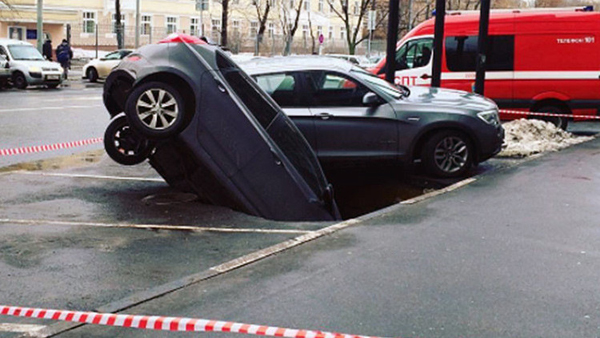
{"x": 350, "y": 115}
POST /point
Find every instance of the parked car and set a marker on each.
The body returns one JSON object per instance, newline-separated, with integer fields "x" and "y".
{"x": 4, "y": 71}
{"x": 100, "y": 68}
{"x": 207, "y": 127}
{"x": 350, "y": 115}
{"x": 538, "y": 60}
{"x": 28, "y": 66}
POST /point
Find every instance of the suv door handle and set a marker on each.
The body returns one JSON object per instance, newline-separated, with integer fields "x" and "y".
{"x": 324, "y": 116}
{"x": 425, "y": 76}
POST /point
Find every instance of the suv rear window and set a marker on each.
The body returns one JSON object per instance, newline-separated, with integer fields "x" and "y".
{"x": 461, "y": 53}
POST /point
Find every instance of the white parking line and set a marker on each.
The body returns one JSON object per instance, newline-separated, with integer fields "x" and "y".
{"x": 38, "y": 222}
{"x": 12, "y": 110}
{"x": 101, "y": 177}
{"x": 20, "y": 328}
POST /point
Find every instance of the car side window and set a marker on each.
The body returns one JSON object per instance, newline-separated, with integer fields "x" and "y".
{"x": 335, "y": 90}
{"x": 280, "y": 87}
{"x": 113, "y": 56}
{"x": 3, "y": 52}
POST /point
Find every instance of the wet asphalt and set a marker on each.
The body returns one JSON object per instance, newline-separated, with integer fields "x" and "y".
{"x": 511, "y": 254}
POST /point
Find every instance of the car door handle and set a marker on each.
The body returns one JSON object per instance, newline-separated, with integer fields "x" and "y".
{"x": 425, "y": 76}
{"x": 324, "y": 116}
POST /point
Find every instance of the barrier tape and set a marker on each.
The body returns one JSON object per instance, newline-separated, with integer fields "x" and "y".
{"x": 166, "y": 323}
{"x": 591, "y": 117}
{"x": 57, "y": 146}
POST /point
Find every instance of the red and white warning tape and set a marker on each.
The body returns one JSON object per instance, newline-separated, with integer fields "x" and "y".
{"x": 37, "y": 149}
{"x": 529, "y": 113}
{"x": 166, "y": 323}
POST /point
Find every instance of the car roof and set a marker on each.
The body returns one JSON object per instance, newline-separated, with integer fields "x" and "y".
{"x": 6, "y": 42}
{"x": 295, "y": 63}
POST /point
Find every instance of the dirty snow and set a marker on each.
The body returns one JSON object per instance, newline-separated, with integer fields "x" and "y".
{"x": 79, "y": 53}
{"x": 528, "y": 137}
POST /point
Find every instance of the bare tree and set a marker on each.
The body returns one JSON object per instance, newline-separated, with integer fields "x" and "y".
{"x": 118, "y": 26}
{"x": 224, "y": 21}
{"x": 290, "y": 17}
{"x": 263, "y": 8}
{"x": 353, "y": 21}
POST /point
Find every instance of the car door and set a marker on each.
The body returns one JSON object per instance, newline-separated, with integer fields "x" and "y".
{"x": 286, "y": 89}
{"x": 107, "y": 63}
{"x": 347, "y": 129}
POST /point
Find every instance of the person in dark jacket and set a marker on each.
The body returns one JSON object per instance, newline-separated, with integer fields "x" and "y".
{"x": 64, "y": 54}
{"x": 47, "y": 49}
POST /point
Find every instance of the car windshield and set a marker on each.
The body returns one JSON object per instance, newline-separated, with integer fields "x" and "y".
{"x": 25, "y": 52}
{"x": 384, "y": 86}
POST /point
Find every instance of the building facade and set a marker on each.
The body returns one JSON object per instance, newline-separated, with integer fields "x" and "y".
{"x": 92, "y": 23}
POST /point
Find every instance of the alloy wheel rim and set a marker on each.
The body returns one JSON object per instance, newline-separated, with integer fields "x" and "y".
{"x": 157, "y": 109}
{"x": 451, "y": 154}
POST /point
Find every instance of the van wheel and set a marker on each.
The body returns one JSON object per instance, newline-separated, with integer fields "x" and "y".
{"x": 123, "y": 145}
{"x": 447, "y": 154}
{"x": 156, "y": 110}
{"x": 19, "y": 80}
{"x": 559, "y": 121}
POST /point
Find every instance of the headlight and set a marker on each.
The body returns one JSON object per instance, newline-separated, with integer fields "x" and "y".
{"x": 35, "y": 70}
{"x": 490, "y": 117}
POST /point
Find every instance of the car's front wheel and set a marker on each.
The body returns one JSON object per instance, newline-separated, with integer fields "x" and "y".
{"x": 447, "y": 154}
{"x": 19, "y": 80}
{"x": 156, "y": 110}
{"x": 123, "y": 145}
{"x": 92, "y": 74}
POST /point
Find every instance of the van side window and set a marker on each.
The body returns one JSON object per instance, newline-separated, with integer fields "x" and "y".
{"x": 461, "y": 53}
{"x": 414, "y": 54}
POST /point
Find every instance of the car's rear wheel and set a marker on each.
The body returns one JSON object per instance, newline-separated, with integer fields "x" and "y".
{"x": 92, "y": 74}
{"x": 125, "y": 146}
{"x": 156, "y": 110}
{"x": 560, "y": 121}
{"x": 19, "y": 80}
{"x": 52, "y": 85}
{"x": 447, "y": 154}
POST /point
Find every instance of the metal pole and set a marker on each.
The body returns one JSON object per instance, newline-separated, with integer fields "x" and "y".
{"x": 96, "y": 40}
{"x": 137, "y": 23}
{"x": 410, "y": 15}
{"x": 484, "y": 19}
{"x": 40, "y": 24}
{"x": 438, "y": 43}
{"x": 392, "y": 40}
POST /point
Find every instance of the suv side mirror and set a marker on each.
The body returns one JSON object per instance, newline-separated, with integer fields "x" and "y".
{"x": 371, "y": 99}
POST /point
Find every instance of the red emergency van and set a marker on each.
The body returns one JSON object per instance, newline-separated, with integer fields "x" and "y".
{"x": 541, "y": 60}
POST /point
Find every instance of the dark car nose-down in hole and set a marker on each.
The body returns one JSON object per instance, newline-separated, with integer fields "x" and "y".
{"x": 206, "y": 126}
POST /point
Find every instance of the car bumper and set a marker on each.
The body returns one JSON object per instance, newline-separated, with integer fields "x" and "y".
{"x": 493, "y": 145}
{"x": 44, "y": 78}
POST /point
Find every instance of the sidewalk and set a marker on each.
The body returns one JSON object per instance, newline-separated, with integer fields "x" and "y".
{"x": 513, "y": 254}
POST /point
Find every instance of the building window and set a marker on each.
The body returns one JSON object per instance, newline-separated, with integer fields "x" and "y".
{"x": 292, "y": 4}
{"x": 195, "y": 26}
{"x": 330, "y": 35}
{"x": 356, "y": 8}
{"x": 321, "y": 5}
{"x": 306, "y": 5}
{"x": 114, "y": 23}
{"x": 146, "y": 25}
{"x": 342, "y": 32}
{"x": 89, "y": 22}
{"x": 236, "y": 27}
{"x": 271, "y": 30}
{"x": 215, "y": 25}
{"x": 319, "y": 30}
{"x": 171, "y": 24}
{"x": 253, "y": 29}
{"x": 304, "y": 31}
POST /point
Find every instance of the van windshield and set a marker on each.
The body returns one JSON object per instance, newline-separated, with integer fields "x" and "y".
{"x": 25, "y": 52}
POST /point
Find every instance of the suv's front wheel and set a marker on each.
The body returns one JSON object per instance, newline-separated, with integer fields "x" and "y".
{"x": 447, "y": 154}
{"x": 123, "y": 145}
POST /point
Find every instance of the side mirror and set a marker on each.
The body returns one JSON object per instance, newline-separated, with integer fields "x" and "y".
{"x": 371, "y": 99}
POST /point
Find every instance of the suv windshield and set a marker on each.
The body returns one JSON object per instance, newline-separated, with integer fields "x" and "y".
{"x": 25, "y": 52}
{"x": 381, "y": 84}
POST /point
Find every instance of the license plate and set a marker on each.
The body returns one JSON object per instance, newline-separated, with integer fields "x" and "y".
{"x": 52, "y": 77}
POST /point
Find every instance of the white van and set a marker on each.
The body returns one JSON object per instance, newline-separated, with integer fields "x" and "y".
{"x": 28, "y": 66}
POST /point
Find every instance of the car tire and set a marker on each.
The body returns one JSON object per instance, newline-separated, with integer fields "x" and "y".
{"x": 156, "y": 110}
{"x": 92, "y": 74}
{"x": 561, "y": 122}
{"x": 19, "y": 80}
{"x": 123, "y": 145}
{"x": 447, "y": 154}
{"x": 53, "y": 85}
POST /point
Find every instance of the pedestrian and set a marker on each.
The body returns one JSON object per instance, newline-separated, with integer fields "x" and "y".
{"x": 47, "y": 49}
{"x": 64, "y": 54}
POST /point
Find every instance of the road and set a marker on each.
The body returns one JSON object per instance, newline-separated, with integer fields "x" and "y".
{"x": 38, "y": 116}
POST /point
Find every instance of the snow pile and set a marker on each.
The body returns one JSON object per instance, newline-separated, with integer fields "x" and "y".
{"x": 527, "y": 137}
{"x": 79, "y": 53}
